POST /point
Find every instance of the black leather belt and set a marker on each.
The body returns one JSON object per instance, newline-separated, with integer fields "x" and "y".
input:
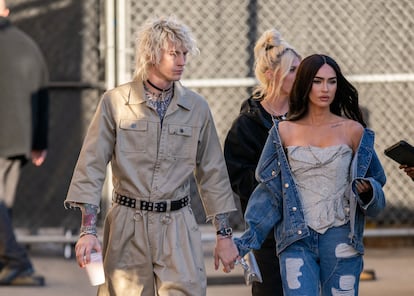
{"x": 161, "y": 206}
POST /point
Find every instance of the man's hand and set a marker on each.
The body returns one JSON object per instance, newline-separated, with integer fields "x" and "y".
{"x": 226, "y": 252}
{"x": 38, "y": 157}
{"x": 83, "y": 248}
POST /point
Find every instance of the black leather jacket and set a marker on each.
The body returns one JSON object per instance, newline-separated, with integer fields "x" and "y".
{"x": 243, "y": 146}
{"x": 242, "y": 149}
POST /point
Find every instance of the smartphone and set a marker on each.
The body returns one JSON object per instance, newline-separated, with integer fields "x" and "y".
{"x": 401, "y": 152}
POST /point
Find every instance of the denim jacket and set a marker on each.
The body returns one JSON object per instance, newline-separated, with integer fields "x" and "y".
{"x": 275, "y": 202}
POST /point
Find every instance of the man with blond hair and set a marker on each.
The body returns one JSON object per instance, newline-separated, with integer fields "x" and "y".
{"x": 156, "y": 134}
{"x": 23, "y": 130}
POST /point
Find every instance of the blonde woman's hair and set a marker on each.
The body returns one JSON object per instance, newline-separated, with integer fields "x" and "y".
{"x": 154, "y": 37}
{"x": 273, "y": 53}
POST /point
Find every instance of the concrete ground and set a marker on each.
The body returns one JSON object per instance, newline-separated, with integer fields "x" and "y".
{"x": 394, "y": 269}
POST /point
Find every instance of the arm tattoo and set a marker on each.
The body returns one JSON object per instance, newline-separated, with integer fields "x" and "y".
{"x": 89, "y": 218}
{"x": 221, "y": 221}
{"x": 89, "y": 214}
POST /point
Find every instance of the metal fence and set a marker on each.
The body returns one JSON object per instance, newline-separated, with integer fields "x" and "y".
{"x": 92, "y": 42}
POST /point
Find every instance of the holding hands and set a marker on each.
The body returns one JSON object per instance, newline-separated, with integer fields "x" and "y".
{"x": 226, "y": 252}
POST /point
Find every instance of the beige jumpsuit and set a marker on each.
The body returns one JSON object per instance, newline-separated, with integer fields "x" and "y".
{"x": 145, "y": 252}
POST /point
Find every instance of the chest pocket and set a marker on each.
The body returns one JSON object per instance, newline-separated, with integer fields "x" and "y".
{"x": 133, "y": 135}
{"x": 180, "y": 141}
{"x": 269, "y": 169}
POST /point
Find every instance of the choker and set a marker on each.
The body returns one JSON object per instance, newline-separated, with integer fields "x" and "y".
{"x": 279, "y": 117}
{"x": 157, "y": 88}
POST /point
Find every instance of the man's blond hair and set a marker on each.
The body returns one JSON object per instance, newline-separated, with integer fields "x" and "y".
{"x": 154, "y": 37}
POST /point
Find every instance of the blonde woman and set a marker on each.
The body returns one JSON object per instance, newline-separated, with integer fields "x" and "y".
{"x": 276, "y": 62}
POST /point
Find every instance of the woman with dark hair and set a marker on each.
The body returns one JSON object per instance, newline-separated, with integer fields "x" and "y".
{"x": 345, "y": 102}
{"x": 319, "y": 176}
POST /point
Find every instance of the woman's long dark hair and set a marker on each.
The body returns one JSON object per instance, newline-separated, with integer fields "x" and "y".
{"x": 345, "y": 102}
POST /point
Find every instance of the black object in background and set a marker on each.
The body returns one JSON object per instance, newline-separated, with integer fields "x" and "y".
{"x": 401, "y": 152}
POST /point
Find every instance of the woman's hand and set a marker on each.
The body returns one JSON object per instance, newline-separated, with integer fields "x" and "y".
{"x": 364, "y": 190}
{"x": 362, "y": 186}
{"x": 408, "y": 170}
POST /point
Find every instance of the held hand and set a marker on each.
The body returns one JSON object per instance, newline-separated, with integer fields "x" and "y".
{"x": 83, "y": 248}
{"x": 226, "y": 252}
{"x": 38, "y": 157}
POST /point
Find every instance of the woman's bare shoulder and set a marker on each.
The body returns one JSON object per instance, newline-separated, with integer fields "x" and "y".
{"x": 354, "y": 126}
{"x": 355, "y": 132}
{"x": 287, "y": 126}
{"x": 287, "y": 130}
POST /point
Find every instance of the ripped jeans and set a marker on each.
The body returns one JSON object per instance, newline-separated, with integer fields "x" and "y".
{"x": 321, "y": 264}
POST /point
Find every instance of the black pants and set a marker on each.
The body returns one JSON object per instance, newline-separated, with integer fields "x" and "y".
{"x": 12, "y": 253}
{"x": 269, "y": 267}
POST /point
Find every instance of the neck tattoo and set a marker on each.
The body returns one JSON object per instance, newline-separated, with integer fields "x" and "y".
{"x": 158, "y": 88}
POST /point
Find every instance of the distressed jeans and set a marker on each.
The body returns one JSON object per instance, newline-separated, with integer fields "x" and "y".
{"x": 321, "y": 264}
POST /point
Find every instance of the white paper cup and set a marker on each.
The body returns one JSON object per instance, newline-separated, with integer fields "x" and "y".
{"x": 95, "y": 270}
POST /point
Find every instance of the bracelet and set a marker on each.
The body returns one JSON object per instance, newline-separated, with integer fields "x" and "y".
{"x": 225, "y": 232}
{"x": 85, "y": 233}
{"x": 220, "y": 237}
{"x": 84, "y": 230}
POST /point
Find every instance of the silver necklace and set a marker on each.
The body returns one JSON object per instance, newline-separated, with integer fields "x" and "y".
{"x": 273, "y": 112}
{"x": 279, "y": 117}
